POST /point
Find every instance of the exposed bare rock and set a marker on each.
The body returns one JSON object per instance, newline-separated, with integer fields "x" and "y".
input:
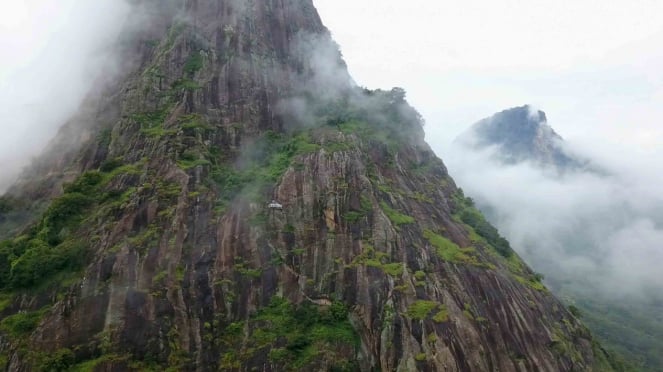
{"x": 163, "y": 252}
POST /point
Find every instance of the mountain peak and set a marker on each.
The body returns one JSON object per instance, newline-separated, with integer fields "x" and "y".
{"x": 519, "y": 134}
{"x": 238, "y": 204}
{"x": 535, "y": 114}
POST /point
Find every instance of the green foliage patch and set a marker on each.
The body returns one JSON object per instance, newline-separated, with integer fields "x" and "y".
{"x": 40, "y": 261}
{"x": 450, "y": 251}
{"x": 268, "y": 161}
{"x": 22, "y": 324}
{"x": 396, "y": 217}
{"x": 193, "y": 122}
{"x": 393, "y": 269}
{"x": 51, "y": 246}
{"x": 243, "y": 268}
{"x": 6, "y": 204}
{"x": 375, "y": 116}
{"x": 296, "y": 335}
{"x": 353, "y": 216}
{"x": 151, "y": 123}
{"x": 105, "y": 137}
{"x": 639, "y": 340}
{"x": 194, "y": 63}
{"x": 534, "y": 283}
{"x": 564, "y": 346}
{"x": 442, "y": 315}
{"x": 60, "y": 360}
{"x": 190, "y": 159}
{"x": 421, "y": 309}
{"x": 371, "y": 258}
{"x": 468, "y": 214}
{"x": 575, "y": 311}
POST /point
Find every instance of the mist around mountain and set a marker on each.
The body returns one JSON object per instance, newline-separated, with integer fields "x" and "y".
{"x": 591, "y": 223}
{"x": 519, "y": 135}
{"x": 53, "y": 54}
{"x": 230, "y": 200}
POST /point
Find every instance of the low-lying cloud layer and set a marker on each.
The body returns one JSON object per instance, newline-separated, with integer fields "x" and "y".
{"x": 583, "y": 230}
{"x": 51, "y": 54}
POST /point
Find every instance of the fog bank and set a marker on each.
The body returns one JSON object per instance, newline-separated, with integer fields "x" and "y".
{"x": 586, "y": 230}
{"x": 51, "y": 53}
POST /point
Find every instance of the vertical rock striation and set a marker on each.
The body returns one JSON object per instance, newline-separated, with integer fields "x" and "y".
{"x": 155, "y": 246}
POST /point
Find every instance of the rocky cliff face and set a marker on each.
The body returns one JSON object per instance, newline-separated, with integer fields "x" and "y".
{"x": 520, "y": 134}
{"x": 152, "y": 245}
{"x": 626, "y": 320}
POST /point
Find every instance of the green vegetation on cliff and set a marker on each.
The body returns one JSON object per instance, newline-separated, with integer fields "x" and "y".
{"x": 271, "y": 156}
{"x": 51, "y": 246}
{"x": 187, "y": 268}
{"x": 450, "y": 251}
{"x": 294, "y": 336}
{"x": 468, "y": 214}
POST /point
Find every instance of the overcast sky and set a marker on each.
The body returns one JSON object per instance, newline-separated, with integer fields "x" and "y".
{"x": 594, "y": 66}
{"x": 51, "y": 51}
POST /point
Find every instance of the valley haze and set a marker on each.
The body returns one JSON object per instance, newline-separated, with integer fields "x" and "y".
{"x": 53, "y": 53}
{"x": 152, "y": 243}
{"x": 593, "y": 229}
{"x": 598, "y": 78}
{"x": 544, "y": 212}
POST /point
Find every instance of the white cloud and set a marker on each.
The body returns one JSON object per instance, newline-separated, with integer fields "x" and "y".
{"x": 464, "y": 60}
{"x": 600, "y": 232}
{"x": 533, "y": 112}
{"x": 50, "y": 53}
{"x": 593, "y": 66}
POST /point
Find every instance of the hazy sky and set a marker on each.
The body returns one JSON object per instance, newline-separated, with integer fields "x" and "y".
{"x": 50, "y": 53}
{"x": 592, "y": 65}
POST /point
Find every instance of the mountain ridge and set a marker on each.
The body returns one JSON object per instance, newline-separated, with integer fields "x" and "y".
{"x": 520, "y": 134}
{"x": 152, "y": 245}
{"x": 555, "y": 248}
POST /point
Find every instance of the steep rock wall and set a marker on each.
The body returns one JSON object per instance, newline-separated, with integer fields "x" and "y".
{"x": 167, "y": 255}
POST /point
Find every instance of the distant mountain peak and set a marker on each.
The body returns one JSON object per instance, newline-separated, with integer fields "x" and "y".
{"x": 519, "y": 134}
{"x": 534, "y": 114}
{"x": 153, "y": 244}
